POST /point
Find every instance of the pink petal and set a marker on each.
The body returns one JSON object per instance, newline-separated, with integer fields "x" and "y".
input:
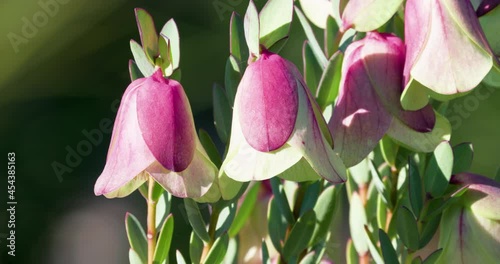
{"x": 166, "y": 122}
{"x": 359, "y": 118}
{"x": 446, "y": 49}
{"x": 311, "y": 138}
{"x": 193, "y": 182}
{"x": 128, "y": 154}
{"x": 268, "y": 103}
{"x": 383, "y": 57}
{"x": 483, "y": 193}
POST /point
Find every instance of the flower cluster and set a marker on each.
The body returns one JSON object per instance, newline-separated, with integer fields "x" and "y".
{"x": 366, "y": 97}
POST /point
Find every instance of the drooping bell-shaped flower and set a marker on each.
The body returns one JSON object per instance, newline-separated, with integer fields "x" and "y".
{"x": 277, "y": 127}
{"x": 368, "y": 103}
{"x": 154, "y": 135}
{"x": 470, "y": 229}
{"x": 446, "y": 51}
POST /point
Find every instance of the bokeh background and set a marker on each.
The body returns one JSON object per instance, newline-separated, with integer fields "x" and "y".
{"x": 63, "y": 78}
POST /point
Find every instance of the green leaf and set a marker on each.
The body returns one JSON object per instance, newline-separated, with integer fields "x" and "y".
{"x": 497, "y": 176}
{"x": 222, "y": 113}
{"x": 176, "y": 75}
{"x": 357, "y": 221}
{"x": 237, "y": 46}
{"x": 196, "y": 220}
{"x": 146, "y": 67}
{"x": 329, "y": 83}
{"x": 136, "y": 237}
{"x": 317, "y": 11}
{"x": 245, "y": 210}
{"x": 134, "y": 71}
{"x": 381, "y": 212}
{"x": 429, "y": 228}
{"x": 275, "y": 19}
{"x": 407, "y": 228}
{"x": 300, "y": 235}
{"x": 147, "y": 30}
{"x": 209, "y": 146}
{"x": 351, "y": 254}
{"x": 276, "y": 48}
{"x": 134, "y": 258}
{"x": 415, "y": 189}
{"x": 312, "y": 68}
{"x": 348, "y": 40}
{"x": 281, "y": 199}
{"x": 417, "y": 260}
{"x": 371, "y": 16}
{"x": 388, "y": 252}
{"x": 432, "y": 258}
{"x": 436, "y": 206}
{"x": 492, "y": 79}
{"x": 462, "y": 157}
{"x": 318, "y": 52}
{"x": 232, "y": 78}
{"x": 225, "y": 220}
{"x": 276, "y": 224}
{"x": 389, "y": 150}
{"x": 324, "y": 210}
{"x": 331, "y": 32}
{"x": 265, "y": 253}
{"x": 195, "y": 248}
{"x": 164, "y": 240}
{"x": 143, "y": 189}
{"x": 230, "y": 189}
{"x": 438, "y": 172}
{"x": 218, "y": 250}
{"x": 379, "y": 184}
{"x": 360, "y": 172}
{"x": 179, "y": 257}
{"x": 163, "y": 208}
{"x": 232, "y": 251}
{"x": 170, "y": 31}
{"x": 310, "y": 196}
{"x": 310, "y": 258}
{"x": 251, "y": 25}
{"x": 165, "y": 54}
{"x": 374, "y": 251}
{"x": 157, "y": 192}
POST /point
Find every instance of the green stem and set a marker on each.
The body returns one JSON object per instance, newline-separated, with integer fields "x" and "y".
{"x": 409, "y": 257}
{"x": 300, "y": 197}
{"x": 213, "y": 224}
{"x": 151, "y": 236}
{"x": 214, "y": 217}
{"x": 394, "y": 187}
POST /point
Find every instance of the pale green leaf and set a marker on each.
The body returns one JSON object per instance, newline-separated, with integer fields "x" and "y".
{"x": 274, "y": 20}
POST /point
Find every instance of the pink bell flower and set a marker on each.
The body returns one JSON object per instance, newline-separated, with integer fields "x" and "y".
{"x": 368, "y": 104}
{"x": 277, "y": 128}
{"x": 446, "y": 51}
{"x": 154, "y": 135}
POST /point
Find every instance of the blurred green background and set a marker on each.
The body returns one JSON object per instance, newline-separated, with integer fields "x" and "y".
{"x": 60, "y": 77}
